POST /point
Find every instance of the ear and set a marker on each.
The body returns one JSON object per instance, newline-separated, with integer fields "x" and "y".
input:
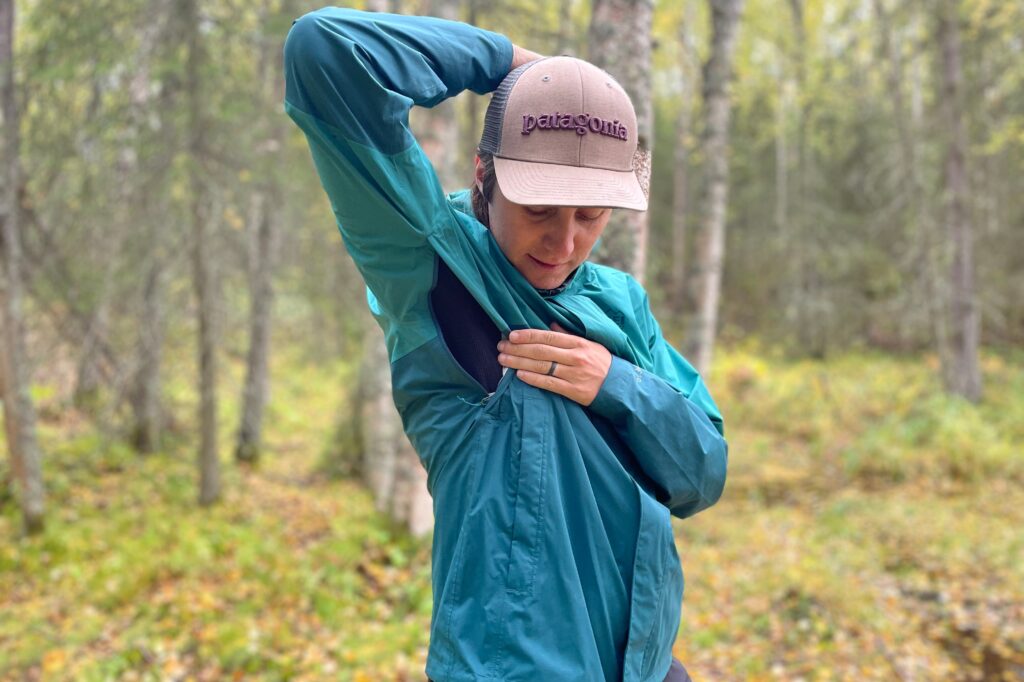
{"x": 478, "y": 173}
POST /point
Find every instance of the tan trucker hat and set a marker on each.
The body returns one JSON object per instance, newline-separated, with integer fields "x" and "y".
{"x": 563, "y": 133}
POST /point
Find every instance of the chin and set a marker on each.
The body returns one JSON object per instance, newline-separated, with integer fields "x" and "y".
{"x": 542, "y": 280}
{"x": 553, "y": 283}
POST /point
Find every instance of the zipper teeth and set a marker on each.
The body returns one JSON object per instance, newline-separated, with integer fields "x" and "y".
{"x": 505, "y": 379}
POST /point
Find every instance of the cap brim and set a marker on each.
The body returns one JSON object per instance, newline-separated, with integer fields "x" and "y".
{"x": 549, "y": 184}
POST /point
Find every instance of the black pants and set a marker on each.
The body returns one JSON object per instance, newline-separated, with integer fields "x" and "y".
{"x": 677, "y": 673}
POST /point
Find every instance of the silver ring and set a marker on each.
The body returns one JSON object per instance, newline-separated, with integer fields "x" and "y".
{"x": 551, "y": 370}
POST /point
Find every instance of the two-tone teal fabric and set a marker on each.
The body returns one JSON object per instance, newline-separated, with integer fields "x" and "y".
{"x": 553, "y": 552}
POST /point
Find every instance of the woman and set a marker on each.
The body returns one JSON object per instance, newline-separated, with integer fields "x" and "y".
{"x": 553, "y": 556}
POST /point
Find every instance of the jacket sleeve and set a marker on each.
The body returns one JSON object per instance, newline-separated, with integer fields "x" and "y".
{"x": 670, "y": 423}
{"x": 351, "y": 78}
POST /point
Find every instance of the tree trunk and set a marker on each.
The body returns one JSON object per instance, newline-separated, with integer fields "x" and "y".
{"x": 410, "y": 500}
{"x": 88, "y": 379}
{"x": 145, "y": 393}
{"x": 725, "y": 16}
{"x": 390, "y": 465}
{"x": 254, "y": 392}
{"x": 19, "y": 412}
{"x": 378, "y": 423}
{"x": 680, "y": 176}
{"x": 922, "y": 260}
{"x": 803, "y": 238}
{"x": 145, "y": 400}
{"x": 622, "y": 29}
{"x": 263, "y": 219}
{"x": 782, "y": 221}
{"x": 963, "y": 377}
{"x": 932, "y": 241}
{"x": 203, "y": 280}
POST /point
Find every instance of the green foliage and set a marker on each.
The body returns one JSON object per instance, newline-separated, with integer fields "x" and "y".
{"x": 131, "y": 577}
{"x": 870, "y": 526}
{"x": 867, "y": 524}
{"x": 875, "y": 421}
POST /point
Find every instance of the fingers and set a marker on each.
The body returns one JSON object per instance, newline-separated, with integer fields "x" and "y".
{"x": 553, "y": 384}
{"x": 528, "y": 364}
{"x": 545, "y": 337}
{"x": 520, "y": 56}
{"x": 536, "y": 351}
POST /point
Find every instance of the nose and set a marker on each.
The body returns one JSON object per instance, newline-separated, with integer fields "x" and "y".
{"x": 560, "y": 240}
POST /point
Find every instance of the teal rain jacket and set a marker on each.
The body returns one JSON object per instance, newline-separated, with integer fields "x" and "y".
{"x": 553, "y": 553}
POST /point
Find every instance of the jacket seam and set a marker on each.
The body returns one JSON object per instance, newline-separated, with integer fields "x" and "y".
{"x": 654, "y": 621}
{"x": 527, "y": 588}
{"x": 457, "y": 570}
{"x": 493, "y": 670}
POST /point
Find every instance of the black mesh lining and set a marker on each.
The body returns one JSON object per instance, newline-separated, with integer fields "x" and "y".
{"x": 490, "y": 139}
{"x": 471, "y": 336}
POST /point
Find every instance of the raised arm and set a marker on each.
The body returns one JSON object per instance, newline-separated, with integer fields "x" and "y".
{"x": 351, "y": 78}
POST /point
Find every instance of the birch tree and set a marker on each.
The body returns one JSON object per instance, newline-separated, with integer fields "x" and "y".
{"x": 922, "y": 257}
{"x": 688, "y": 77}
{"x": 963, "y": 376}
{"x": 203, "y": 281}
{"x": 263, "y": 228}
{"x": 725, "y": 16}
{"x": 18, "y": 411}
{"x": 148, "y": 206}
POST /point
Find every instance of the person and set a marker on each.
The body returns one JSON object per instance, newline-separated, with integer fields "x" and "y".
{"x": 559, "y": 430}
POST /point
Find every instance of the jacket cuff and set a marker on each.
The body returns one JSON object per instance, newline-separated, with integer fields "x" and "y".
{"x": 505, "y": 52}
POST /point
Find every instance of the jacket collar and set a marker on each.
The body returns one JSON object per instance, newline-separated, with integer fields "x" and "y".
{"x": 461, "y": 201}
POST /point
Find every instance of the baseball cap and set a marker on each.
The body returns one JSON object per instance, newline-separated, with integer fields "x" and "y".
{"x": 563, "y": 133}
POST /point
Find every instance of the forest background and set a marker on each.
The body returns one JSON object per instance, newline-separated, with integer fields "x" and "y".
{"x": 204, "y": 478}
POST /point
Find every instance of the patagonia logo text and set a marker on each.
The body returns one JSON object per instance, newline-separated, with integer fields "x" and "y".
{"x": 581, "y": 123}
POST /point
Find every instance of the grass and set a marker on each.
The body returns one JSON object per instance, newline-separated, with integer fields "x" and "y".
{"x": 869, "y": 531}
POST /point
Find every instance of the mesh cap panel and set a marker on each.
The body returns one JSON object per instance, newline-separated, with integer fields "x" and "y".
{"x": 490, "y": 139}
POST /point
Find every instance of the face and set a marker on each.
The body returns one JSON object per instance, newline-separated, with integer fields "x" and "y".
{"x": 545, "y": 243}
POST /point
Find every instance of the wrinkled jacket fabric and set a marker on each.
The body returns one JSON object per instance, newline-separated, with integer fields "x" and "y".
{"x": 553, "y": 554}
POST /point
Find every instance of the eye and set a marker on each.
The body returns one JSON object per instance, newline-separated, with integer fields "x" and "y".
{"x": 539, "y": 212}
{"x": 589, "y": 217}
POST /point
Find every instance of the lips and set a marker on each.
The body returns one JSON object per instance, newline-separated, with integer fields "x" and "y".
{"x": 542, "y": 264}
